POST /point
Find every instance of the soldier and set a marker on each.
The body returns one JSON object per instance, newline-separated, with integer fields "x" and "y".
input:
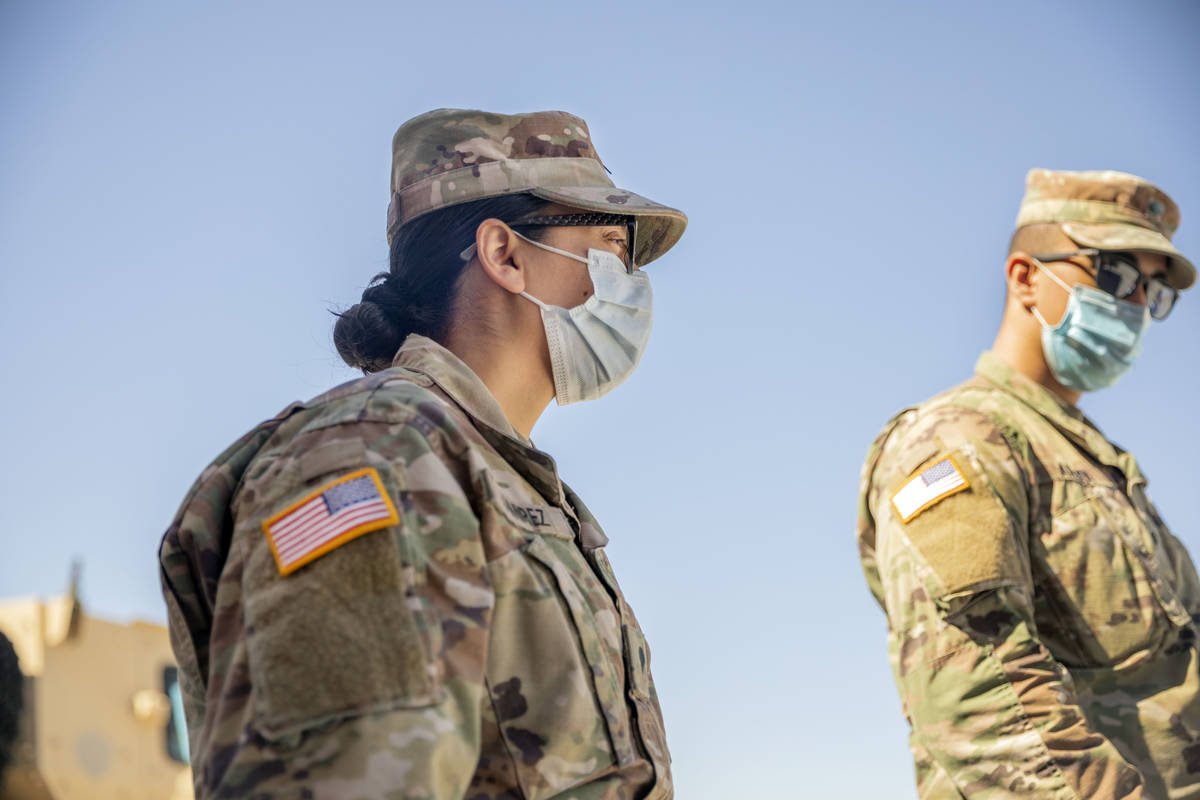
{"x": 387, "y": 591}
{"x": 1041, "y": 616}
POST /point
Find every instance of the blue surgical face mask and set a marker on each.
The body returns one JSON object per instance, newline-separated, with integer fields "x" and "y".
{"x": 1096, "y": 341}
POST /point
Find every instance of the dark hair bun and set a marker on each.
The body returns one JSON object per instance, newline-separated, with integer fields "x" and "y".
{"x": 368, "y": 334}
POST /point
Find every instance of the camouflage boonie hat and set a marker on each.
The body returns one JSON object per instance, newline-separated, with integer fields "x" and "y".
{"x": 451, "y": 156}
{"x": 1108, "y": 211}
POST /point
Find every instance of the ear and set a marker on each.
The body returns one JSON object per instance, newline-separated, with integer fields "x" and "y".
{"x": 495, "y": 244}
{"x": 1020, "y": 274}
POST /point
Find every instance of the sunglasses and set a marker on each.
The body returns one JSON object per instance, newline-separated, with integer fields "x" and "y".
{"x": 1117, "y": 274}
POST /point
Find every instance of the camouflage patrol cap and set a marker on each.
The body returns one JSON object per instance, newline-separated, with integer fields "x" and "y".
{"x": 451, "y": 156}
{"x": 1108, "y": 211}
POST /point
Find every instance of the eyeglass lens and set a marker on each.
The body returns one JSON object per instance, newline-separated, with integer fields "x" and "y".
{"x": 575, "y": 220}
{"x": 1118, "y": 274}
{"x": 1160, "y": 298}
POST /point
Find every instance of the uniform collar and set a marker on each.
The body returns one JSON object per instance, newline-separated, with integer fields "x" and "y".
{"x": 450, "y": 374}
{"x": 424, "y": 355}
{"x": 991, "y": 367}
{"x": 1067, "y": 418}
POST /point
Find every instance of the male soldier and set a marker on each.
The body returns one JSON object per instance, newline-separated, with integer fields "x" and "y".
{"x": 1040, "y": 614}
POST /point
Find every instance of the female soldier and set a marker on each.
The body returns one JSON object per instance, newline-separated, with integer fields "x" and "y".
{"x": 388, "y": 591}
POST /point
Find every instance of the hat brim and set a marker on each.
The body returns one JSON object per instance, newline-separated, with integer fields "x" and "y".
{"x": 659, "y": 227}
{"x": 1181, "y": 273}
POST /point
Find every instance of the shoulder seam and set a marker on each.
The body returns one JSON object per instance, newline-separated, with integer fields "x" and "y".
{"x": 1016, "y": 459}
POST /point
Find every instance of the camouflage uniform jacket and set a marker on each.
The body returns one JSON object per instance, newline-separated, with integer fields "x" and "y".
{"x": 1041, "y": 617}
{"x": 480, "y": 647}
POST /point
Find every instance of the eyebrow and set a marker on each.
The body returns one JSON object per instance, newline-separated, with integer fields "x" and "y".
{"x": 1160, "y": 274}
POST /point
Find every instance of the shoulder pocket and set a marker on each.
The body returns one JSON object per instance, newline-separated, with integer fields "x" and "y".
{"x": 963, "y": 531}
{"x": 337, "y": 637}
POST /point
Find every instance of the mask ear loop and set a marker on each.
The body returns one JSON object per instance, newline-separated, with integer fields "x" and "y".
{"x": 1061, "y": 283}
{"x": 469, "y": 251}
{"x": 540, "y": 304}
{"x": 566, "y": 253}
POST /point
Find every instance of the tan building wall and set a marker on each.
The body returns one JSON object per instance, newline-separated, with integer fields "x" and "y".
{"x": 97, "y": 722}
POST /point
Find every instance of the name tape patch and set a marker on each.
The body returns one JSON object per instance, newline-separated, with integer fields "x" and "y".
{"x": 532, "y": 514}
{"x": 328, "y": 518}
{"x": 931, "y": 485}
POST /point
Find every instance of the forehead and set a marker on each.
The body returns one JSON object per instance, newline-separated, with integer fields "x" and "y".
{"x": 1151, "y": 264}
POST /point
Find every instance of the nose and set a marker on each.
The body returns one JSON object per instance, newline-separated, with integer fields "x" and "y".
{"x": 1139, "y": 294}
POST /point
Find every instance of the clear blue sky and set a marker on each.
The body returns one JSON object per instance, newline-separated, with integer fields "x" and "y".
{"x": 186, "y": 189}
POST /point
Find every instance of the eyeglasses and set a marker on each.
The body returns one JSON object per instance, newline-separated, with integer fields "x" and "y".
{"x": 550, "y": 220}
{"x": 1117, "y": 274}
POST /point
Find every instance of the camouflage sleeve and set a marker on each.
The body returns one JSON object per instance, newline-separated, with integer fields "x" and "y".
{"x": 993, "y": 714}
{"x": 1179, "y": 566}
{"x": 364, "y": 668}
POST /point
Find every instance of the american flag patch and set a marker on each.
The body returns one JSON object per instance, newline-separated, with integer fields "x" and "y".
{"x": 927, "y": 487}
{"x": 328, "y": 518}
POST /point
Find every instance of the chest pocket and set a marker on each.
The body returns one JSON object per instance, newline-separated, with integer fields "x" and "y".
{"x": 554, "y": 670}
{"x": 1103, "y": 558}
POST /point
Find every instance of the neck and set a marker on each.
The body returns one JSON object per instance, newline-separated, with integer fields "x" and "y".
{"x": 1020, "y": 346}
{"x": 515, "y": 376}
